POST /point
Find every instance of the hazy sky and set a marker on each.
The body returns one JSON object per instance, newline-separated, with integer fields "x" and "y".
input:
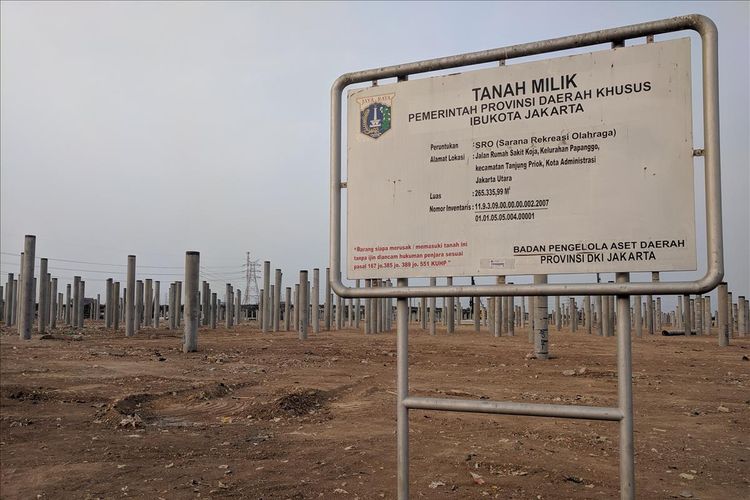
{"x": 155, "y": 128}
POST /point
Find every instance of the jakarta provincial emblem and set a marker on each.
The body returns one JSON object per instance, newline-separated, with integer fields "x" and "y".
{"x": 375, "y": 115}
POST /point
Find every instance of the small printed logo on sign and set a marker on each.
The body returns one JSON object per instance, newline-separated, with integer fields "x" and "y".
{"x": 375, "y": 115}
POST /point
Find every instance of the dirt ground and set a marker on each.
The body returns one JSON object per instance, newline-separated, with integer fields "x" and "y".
{"x": 255, "y": 415}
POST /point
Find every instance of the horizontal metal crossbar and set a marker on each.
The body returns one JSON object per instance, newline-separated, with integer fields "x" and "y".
{"x": 512, "y": 408}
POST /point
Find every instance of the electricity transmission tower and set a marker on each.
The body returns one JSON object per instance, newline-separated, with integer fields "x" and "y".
{"x": 252, "y": 292}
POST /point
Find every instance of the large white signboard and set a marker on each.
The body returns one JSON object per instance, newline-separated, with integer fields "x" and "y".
{"x": 577, "y": 164}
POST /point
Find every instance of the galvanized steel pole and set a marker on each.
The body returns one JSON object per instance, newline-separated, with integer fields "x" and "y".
{"x": 402, "y": 382}
{"x": 625, "y": 394}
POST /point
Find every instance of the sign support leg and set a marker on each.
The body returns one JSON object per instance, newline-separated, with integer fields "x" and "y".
{"x": 625, "y": 394}
{"x": 402, "y": 412}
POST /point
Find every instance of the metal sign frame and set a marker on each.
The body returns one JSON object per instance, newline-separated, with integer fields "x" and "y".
{"x": 622, "y": 288}
{"x": 714, "y": 238}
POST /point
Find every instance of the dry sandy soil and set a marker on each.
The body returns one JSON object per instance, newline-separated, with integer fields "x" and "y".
{"x": 255, "y": 415}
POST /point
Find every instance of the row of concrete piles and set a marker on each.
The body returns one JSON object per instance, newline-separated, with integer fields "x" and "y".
{"x": 301, "y": 310}
{"x": 597, "y": 315}
{"x": 18, "y": 297}
{"x": 139, "y": 307}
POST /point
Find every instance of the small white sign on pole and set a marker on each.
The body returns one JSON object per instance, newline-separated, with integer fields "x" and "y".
{"x": 577, "y": 164}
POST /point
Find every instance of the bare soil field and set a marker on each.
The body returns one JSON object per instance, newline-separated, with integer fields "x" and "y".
{"x": 255, "y": 415}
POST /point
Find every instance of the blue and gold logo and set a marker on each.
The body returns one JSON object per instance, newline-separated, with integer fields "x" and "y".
{"x": 375, "y": 115}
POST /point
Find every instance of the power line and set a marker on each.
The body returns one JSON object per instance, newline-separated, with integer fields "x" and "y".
{"x": 109, "y": 272}
{"x": 138, "y": 266}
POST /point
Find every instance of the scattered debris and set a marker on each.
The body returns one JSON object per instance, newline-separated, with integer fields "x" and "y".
{"x": 687, "y": 476}
{"x": 21, "y": 423}
{"x": 26, "y": 395}
{"x": 303, "y": 402}
{"x": 435, "y": 484}
{"x": 477, "y": 478}
{"x": 133, "y": 421}
{"x": 723, "y": 409}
